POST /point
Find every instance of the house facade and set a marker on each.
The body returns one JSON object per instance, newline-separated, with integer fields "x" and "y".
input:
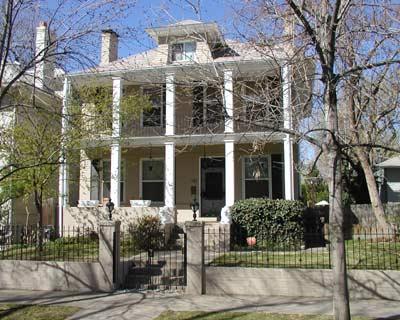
{"x": 41, "y": 82}
{"x": 390, "y": 189}
{"x": 208, "y": 137}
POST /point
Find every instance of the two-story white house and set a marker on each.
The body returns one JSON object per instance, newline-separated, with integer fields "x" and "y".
{"x": 207, "y": 137}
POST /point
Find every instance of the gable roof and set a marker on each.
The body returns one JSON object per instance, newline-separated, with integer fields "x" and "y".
{"x": 390, "y": 163}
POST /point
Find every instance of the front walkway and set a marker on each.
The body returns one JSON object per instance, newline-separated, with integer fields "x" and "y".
{"x": 129, "y": 305}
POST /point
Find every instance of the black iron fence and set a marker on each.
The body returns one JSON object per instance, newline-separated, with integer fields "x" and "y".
{"x": 368, "y": 248}
{"x": 19, "y": 242}
{"x": 153, "y": 260}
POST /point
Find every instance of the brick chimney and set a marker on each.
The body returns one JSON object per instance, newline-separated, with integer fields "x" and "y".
{"x": 44, "y": 67}
{"x": 109, "y": 46}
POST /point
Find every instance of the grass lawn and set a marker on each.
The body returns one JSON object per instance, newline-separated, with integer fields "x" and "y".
{"x": 360, "y": 254}
{"x": 196, "y": 315}
{"x": 63, "y": 249}
{"x": 35, "y": 312}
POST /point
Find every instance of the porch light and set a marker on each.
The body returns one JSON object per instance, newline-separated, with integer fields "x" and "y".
{"x": 110, "y": 208}
{"x": 195, "y": 206}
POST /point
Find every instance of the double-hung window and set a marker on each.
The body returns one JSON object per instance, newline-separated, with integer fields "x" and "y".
{"x": 207, "y": 105}
{"x": 152, "y": 184}
{"x": 183, "y": 51}
{"x": 262, "y": 101}
{"x": 257, "y": 177}
{"x": 106, "y": 183}
{"x": 155, "y": 116}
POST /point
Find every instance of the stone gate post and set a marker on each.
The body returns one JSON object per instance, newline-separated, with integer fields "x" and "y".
{"x": 195, "y": 258}
{"x": 109, "y": 238}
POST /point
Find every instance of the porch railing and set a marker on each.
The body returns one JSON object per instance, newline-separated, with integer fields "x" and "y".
{"x": 189, "y": 125}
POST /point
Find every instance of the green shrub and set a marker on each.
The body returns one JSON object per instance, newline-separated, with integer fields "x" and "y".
{"x": 147, "y": 233}
{"x": 273, "y": 220}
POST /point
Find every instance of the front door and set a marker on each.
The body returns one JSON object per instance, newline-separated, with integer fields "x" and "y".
{"x": 212, "y": 186}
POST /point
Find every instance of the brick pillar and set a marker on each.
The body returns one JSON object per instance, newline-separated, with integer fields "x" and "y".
{"x": 195, "y": 258}
{"x": 109, "y": 237}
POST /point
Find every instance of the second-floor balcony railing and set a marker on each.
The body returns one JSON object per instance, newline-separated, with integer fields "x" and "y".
{"x": 189, "y": 125}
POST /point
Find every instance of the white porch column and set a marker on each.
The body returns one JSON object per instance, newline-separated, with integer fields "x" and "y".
{"x": 228, "y": 100}
{"x": 169, "y": 185}
{"x": 288, "y": 141}
{"x": 229, "y": 172}
{"x": 63, "y": 171}
{"x": 229, "y": 181}
{"x": 170, "y": 104}
{"x": 115, "y": 145}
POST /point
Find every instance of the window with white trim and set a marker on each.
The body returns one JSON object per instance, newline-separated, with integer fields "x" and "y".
{"x": 261, "y": 100}
{"x": 106, "y": 182}
{"x": 183, "y": 51}
{"x": 155, "y": 116}
{"x": 153, "y": 180}
{"x": 257, "y": 177}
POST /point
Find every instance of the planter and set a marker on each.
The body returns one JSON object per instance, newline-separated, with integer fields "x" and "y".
{"x": 251, "y": 241}
{"x": 140, "y": 203}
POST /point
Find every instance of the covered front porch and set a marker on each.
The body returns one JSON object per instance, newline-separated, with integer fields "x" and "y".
{"x": 155, "y": 177}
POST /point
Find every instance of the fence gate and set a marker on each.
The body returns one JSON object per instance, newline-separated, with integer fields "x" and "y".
{"x": 154, "y": 260}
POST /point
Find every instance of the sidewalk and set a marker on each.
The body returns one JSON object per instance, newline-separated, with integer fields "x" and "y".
{"x": 132, "y": 306}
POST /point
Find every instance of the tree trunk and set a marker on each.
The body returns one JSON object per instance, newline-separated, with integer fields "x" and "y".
{"x": 39, "y": 208}
{"x": 376, "y": 202}
{"x": 341, "y": 302}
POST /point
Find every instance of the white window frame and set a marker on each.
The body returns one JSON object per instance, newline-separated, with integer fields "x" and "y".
{"x": 185, "y": 57}
{"x": 142, "y": 89}
{"x": 269, "y": 179}
{"x": 204, "y": 110}
{"x": 141, "y": 179}
{"x": 123, "y": 169}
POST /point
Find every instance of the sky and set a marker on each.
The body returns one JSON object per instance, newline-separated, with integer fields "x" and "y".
{"x": 160, "y": 12}
{"x": 152, "y": 13}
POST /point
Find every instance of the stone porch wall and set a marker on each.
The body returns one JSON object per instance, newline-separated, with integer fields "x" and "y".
{"x": 91, "y": 216}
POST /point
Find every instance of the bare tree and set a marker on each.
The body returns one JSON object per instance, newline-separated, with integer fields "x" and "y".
{"x": 322, "y": 32}
{"x": 35, "y": 62}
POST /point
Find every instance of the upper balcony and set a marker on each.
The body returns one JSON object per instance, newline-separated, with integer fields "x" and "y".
{"x": 188, "y": 125}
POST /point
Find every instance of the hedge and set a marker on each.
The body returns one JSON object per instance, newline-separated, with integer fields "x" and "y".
{"x": 277, "y": 220}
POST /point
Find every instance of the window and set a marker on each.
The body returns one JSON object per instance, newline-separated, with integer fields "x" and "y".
{"x": 152, "y": 180}
{"x": 207, "y": 106}
{"x": 106, "y": 184}
{"x": 184, "y": 51}
{"x": 154, "y": 117}
{"x": 257, "y": 181}
{"x": 261, "y": 100}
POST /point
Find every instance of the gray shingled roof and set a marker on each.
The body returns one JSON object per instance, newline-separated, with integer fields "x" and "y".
{"x": 390, "y": 163}
{"x": 157, "y": 58}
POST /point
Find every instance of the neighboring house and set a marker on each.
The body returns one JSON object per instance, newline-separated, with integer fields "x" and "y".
{"x": 197, "y": 141}
{"x": 390, "y": 189}
{"x": 42, "y": 77}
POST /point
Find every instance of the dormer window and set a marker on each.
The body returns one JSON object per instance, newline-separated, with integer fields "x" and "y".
{"x": 183, "y": 51}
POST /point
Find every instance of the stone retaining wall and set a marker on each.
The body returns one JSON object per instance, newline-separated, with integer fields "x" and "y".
{"x": 363, "y": 284}
{"x": 65, "y": 276}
